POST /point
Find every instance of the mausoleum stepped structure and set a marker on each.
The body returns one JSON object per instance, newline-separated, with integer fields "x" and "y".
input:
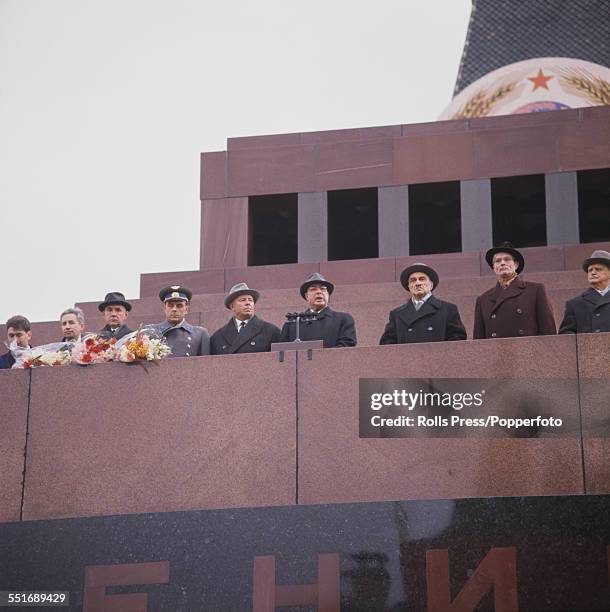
{"x": 369, "y": 301}
{"x": 193, "y": 477}
{"x": 384, "y": 197}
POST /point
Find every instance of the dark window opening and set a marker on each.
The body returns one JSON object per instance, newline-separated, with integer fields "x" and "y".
{"x": 272, "y": 229}
{"x": 594, "y": 205}
{"x": 518, "y": 210}
{"x": 352, "y": 224}
{"x": 435, "y": 224}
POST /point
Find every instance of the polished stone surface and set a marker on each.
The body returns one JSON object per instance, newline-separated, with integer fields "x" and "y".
{"x": 336, "y": 465}
{"x": 115, "y": 438}
{"x": 400, "y": 155}
{"x": 14, "y": 390}
{"x": 358, "y": 271}
{"x": 461, "y": 274}
{"x": 594, "y": 371}
{"x": 224, "y": 233}
{"x": 536, "y": 554}
{"x": 184, "y": 434}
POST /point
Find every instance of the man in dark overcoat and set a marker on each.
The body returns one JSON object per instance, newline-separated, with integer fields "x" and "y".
{"x": 245, "y": 332}
{"x": 333, "y": 328}
{"x": 513, "y": 307}
{"x": 115, "y": 309}
{"x": 19, "y": 331}
{"x": 424, "y": 318}
{"x": 184, "y": 339}
{"x": 589, "y": 312}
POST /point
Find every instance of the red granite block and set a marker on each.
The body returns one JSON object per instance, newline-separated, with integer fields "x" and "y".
{"x": 266, "y": 140}
{"x": 351, "y": 135}
{"x": 359, "y": 271}
{"x": 435, "y": 127}
{"x": 198, "y": 281}
{"x": 348, "y": 165}
{"x": 584, "y": 144}
{"x": 445, "y": 264}
{"x": 597, "y": 465}
{"x": 594, "y": 372}
{"x": 271, "y": 277}
{"x": 433, "y": 158}
{"x": 213, "y": 175}
{"x": 45, "y": 332}
{"x": 575, "y": 254}
{"x": 370, "y": 292}
{"x": 537, "y": 259}
{"x": 264, "y": 171}
{"x": 587, "y": 113}
{"x": 570, "y": 279}
{"x": 335, "y": 465}
{"x": 524, "y": 120}
{"x": 224, "y": 233}
{"x": 118, "y": 439}
{"x": 14, "y": 387}
{"x": 513, "y": 151}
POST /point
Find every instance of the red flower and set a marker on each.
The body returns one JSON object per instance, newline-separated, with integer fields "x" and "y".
{"x": 27, "y": 364}
{"x": 86, "y": 358}
{"x": 89, "y": 342}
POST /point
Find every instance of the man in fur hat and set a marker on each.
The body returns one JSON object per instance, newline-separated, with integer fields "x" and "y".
{"x": 245, "y": 332}
{"x": 589, "y": 312}
{"x": 424, "y": 318}
{"x": 333, "y": 328}
{"x": 513, "y": 307}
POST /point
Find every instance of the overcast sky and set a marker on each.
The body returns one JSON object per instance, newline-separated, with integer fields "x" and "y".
{"x": 105, "y": 106}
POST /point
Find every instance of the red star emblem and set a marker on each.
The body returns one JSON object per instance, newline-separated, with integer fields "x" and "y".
{"x": 539, "y": 80}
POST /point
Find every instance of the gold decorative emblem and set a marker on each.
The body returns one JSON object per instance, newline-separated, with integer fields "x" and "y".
{"x": 481, "y": 103}
{"x": 532, "y": 86}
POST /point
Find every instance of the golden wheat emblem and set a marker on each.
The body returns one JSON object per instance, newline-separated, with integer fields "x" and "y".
{"x": 581, "y": 82}
{"x": 481, "y": 104}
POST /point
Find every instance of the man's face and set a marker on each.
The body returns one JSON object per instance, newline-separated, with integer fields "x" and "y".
{"x": 242, "y": 307}
{"x": 504, "y": 265}
{"x": 419, "y": 284}
{"x": 71, "y": 327}
{"x": 598, "y": 275}
{"x": 18, "y": 335}
{"x": 175, "y": 310}
{"x": 317, "y": 296}
{"x": 115, "y": 315}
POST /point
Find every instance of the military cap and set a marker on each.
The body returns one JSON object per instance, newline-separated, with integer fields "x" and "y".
{"x": 175, "y": 292}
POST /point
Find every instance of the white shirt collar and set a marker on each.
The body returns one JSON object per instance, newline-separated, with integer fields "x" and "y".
{"x": 424, "y": 299}
{"x": 603, "y": 291}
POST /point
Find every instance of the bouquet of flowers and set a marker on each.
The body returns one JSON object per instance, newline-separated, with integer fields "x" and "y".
{"x": 53, "y": 354}
{"x": 93, "y": 349}
{"x": 146, "y": 344}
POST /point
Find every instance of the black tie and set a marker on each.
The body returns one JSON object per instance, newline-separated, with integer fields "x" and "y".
{"x": 242, "y": 324}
